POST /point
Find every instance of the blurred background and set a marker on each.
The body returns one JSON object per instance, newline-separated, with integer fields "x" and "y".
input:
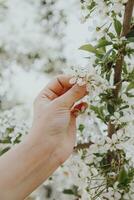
{"x": 38, "y": 39}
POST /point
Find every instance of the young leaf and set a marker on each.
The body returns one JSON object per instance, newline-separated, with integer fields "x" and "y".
{"x": 111, "y": 109}
{"x": 111, "y": 35}
{"x": 130, "y": 39}
{"x": 4, "y": 150}
{"x": 130, "y": 34}
{"x": 117, "y": 26}
{"x": 130, "y": 86}
{"x": 103, "y": 42}
{"x": 98, "y": 111}
{"x": 68, "y": 191}
{"x": 123, "y": 176}
{"x": 107, "y": 55}
{"x": 81, "y": 127}
{"x": 89, "y": 48}
{"x": 91, "y": 5}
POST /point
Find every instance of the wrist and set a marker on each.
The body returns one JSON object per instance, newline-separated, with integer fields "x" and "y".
{"x": 40, "y": 148}
{"x": 46, "y": 145}
{"x": 31, "y": 162}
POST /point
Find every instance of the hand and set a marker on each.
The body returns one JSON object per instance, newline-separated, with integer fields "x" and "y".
{"x": 55, "y": 117}
{"x": 49, "y": 143}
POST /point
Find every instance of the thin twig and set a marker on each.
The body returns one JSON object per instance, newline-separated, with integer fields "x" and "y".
{"x": 82, "y": 146}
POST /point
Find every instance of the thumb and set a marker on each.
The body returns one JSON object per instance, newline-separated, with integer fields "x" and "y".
{"x": 73, "y": 95}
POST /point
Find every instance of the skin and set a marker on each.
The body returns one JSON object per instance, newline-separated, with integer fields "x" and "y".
{"x": 49, "y": 143}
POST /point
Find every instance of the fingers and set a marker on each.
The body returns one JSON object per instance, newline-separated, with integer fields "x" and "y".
{"x": 79, "y": 108}
{"x": 72, "y": 96}
{"x": 56, "y": 87}
{"x": 72, "y": 128}
{"x": 63, "y": 91}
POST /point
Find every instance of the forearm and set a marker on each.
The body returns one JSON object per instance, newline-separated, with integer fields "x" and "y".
{"x": 25, "y": 167}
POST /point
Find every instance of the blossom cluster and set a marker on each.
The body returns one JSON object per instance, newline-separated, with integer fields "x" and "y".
{"x": 13, "y": 127}
{"x": 103, "y": 8}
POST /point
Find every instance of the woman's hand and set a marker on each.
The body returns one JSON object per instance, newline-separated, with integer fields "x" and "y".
{"x": 49, "y": 143}
{"x": 55, "y": 117}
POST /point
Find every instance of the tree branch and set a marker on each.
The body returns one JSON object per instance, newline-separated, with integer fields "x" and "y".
{"x": 127, "y": 17}
{"x": 82, "y": 146}
{"x": 88, "y": 144}
{"x": 120, "y": 57}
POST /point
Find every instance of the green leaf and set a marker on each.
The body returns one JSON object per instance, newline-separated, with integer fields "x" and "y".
{"x": 117, "y": 26}
{"x": 89, "y": 48}
{"x": 98, "y": 111}
{"x": 111, "y": 109}
{"x": 130, "y": 95}
{"x": 130, "y": 86}
{"x": 124, "y": 107}
{"x": 91, "y": 5}
{"x": 130, "y": 39}
{"x": 130, "y": 34}
{"x": 123, "y": 176}
{"x": 111, "y": 35}
{"x": 4, "y": 151}
{"x": 103, "y": 42}
{"x": 81, "y": 127}
{"x": 106, "y": 55}
{"x": 124, "y": 68}
{"x": 10, "y": 130}
{"x": 6, "y": 140}
{"x": 68, "y": 191}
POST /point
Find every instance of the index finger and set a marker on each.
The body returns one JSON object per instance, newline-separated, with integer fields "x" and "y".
{"x": 57, "y": 87}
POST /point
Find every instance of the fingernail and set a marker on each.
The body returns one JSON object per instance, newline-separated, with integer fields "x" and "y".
{"x": 76, "y": 113}
{"x": 79, "y": 109}
{"x": 73, "y": 80}
{"x": 83, "y": 108}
